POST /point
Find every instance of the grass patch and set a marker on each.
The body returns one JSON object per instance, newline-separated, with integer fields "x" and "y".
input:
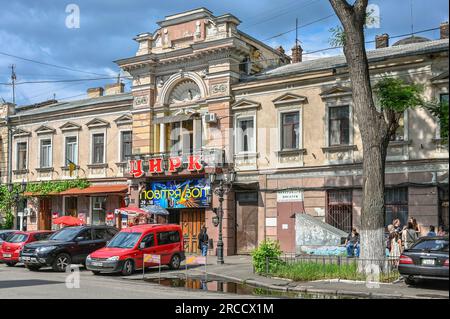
{"x": 309, "y": 271}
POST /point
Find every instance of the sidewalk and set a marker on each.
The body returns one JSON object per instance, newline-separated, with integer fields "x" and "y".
{"x": 239, "y": 269}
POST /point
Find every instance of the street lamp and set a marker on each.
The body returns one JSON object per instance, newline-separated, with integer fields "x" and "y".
{"x": 221, "y": 185}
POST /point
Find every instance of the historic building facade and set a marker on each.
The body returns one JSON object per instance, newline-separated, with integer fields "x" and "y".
{"x": 94, "y": 134}
{"x": 206, "y": 98}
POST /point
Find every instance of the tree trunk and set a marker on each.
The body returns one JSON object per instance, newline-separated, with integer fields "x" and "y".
{"x": 374, "y": 132}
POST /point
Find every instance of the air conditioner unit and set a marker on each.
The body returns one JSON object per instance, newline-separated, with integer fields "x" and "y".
{"x": 210, "y": 117}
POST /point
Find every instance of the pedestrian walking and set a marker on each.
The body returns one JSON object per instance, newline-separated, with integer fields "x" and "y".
{"x": 352, "y": 243}
{"x": 203, "y": 240}
{"x": 431, "y": 233}
{"x": 390, "y": 229}
{"x": 409, "y": 236}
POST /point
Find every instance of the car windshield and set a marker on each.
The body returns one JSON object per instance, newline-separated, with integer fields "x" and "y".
{"x": 17, "y": 238}
{"x": 65, "y": 234}
{"x": 124, "y": 240}
{"x": 431, "y": 245}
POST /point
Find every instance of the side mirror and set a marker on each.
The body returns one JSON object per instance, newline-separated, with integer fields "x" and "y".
{"x": 80, "y": 238}
{"x": 141, "y": 245}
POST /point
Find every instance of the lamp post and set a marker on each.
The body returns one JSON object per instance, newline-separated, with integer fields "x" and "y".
{"x": 221, "y": 185}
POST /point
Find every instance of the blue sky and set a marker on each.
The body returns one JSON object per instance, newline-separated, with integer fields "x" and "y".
{"x": 36, "y": 30}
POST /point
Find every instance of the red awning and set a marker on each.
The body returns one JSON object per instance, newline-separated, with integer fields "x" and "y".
{"x": 131, "y": 211}
{"x": 97, "y": 189}
{"x": 67, "y": 221}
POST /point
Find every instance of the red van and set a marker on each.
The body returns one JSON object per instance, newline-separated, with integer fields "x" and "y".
{"x": 125, "y": 251}
{"x": 10, "y": 249}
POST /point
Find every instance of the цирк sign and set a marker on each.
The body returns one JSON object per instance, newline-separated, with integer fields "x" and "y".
{"x": 155, "y": 165}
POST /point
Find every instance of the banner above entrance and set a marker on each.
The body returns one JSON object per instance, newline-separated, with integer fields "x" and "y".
{"x": 191, "y": 193}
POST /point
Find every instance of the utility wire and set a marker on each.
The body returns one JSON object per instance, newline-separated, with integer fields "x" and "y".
{"x": 49, "y": 64}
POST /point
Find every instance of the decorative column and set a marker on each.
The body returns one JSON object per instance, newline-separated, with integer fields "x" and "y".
{"x": 162, "y": 137}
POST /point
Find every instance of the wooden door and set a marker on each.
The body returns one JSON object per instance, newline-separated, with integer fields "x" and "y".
{"x": 191, "y": 223}
{"x": 45, "y": 218}
{"x": 247, "y": 227}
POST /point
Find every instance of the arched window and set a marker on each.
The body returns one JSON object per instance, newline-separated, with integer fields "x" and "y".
{"x": 185, "y": 92}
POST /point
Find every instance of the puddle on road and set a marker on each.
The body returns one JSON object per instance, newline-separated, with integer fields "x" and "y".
{"x": 215, "y": 285}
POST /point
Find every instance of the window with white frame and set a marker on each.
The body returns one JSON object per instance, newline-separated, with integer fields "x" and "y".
{"x": 125, "y": 145}
{"x": 21, "y": 155}
{"x": 98, "y": 148}
{"x": 290, "y": 130}
{"x": 399, "y": 134}
{"x": 245, "y": 135}
{"x": 339, "y": 125}
{"x": 71, "y": 152}
{"x": 45, "y": 153}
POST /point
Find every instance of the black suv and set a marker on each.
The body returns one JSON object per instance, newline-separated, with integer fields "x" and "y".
{"x": 70, "y": 245}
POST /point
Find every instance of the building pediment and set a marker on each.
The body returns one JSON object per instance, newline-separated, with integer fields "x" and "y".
{"x": 41, "y": 130}
{"x": 21, "y": 133}
{"x": 289, "y": 98}
{"x": 69, "y": 126}
{"x": 245, "y": 104}
{"x": 125, "y": 119}
{"x": 96, "y": 123}
{"x": 335, "y": 91}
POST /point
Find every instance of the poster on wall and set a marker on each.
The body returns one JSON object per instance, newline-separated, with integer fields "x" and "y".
{"x": 190, "y": 193}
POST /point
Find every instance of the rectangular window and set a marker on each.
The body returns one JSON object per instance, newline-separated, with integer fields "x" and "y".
{"x": 168, "y": 237}
{"x": 290, "y": 132}
{"x": 340, "y": 209}
{"x": 21, "y": 155}
{"x": 396, "y": 202}
{"x": 98, "y": 210}
{"x": 125, "y": 148}
{"x": 339, "y": 125}
{"x": 98, "y": 148}
{"x": 71, "y": 150}
{"x": 245, "y": 135}
{"x": 46, "y": 153}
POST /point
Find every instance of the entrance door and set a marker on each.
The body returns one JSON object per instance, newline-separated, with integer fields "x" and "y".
{"x": 247, "y": 222}
{"x": 286, "y": 224}
{"x": 45, "y": 218}
{"x": 191, "y": 223}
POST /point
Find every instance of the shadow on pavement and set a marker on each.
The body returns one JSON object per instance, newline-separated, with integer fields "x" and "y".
{"x": 432, "y": 284}
{"x": 26, "y": 283}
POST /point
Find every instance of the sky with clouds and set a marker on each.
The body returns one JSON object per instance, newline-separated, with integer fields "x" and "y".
{"x": 36, "y": 30}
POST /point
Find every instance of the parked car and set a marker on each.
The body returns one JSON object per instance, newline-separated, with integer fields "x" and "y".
{"x": 70, "y": 245}
{"x": 124, "y": 253}
{"x": 426, "y": 259}
{"x": 10, "y": 248}
{"x": 4, "y": 234}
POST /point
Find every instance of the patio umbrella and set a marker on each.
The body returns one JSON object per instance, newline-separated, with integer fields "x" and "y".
{"x": 68, "y": 221}
{"x": 155, "y": 209}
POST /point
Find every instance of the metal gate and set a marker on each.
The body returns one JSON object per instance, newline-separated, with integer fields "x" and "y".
{"x": 340, "y": 209}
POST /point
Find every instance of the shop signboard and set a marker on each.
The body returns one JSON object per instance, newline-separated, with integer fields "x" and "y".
{"x": 189, "y": 193}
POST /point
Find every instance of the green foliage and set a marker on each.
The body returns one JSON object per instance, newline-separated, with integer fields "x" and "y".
{"x": 397, "y": 95}
{"x": 440, "y": 111}
{"x": 42, "y": 188}
{"x": 337, "y": 36}
{"x": 311, "y": 270}
{"x": 268, "y": 251}
{"x": 48, "y": 187}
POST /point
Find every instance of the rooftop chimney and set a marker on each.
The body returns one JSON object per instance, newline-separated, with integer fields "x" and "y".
{"x": 382, "y": 41}
{"x": 115, "y": 88}
{"x": 95, "y": 92}
{"x": 444, "y": 30}
{"x": 297, "y": 53}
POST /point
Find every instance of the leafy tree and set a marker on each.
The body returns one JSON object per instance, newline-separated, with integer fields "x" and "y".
{"x": 376, "y": 124}
{"x": 440, "y": 111}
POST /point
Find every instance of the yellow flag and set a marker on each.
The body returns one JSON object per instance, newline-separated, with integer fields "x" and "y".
{"x": 72, "y": 167}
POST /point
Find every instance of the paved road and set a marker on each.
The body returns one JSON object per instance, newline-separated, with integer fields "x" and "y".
{"x": 18, "y": 282}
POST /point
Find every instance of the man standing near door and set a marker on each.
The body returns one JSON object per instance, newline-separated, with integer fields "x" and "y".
{"x": 203, "y": 240}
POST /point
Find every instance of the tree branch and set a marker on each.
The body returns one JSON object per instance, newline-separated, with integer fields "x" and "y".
{"x": 360, "y": 7}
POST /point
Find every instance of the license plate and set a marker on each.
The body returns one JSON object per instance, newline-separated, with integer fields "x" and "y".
{"x": 25, "y": 258}
{"x": 428, "y": 262}
{"x": 7, "y": 255}
{"x": 97, "y": 264}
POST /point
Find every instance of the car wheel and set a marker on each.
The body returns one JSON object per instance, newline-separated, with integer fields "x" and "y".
{"x": 175, "y": 262}
{"x": 11, "y": 264}
{"x": 62, "y": 261}
{"x": 410, "y": 281}
{"x": 128, "y": 268}
{"x": 96, "y": 273}
{"x": 33, "y": 268}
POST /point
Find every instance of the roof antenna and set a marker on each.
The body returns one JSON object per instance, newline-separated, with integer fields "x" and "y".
{"x": 13, "y": 81}
{"x": 118, "y": 78}
{"x": 412, "y": 18}
{"x": 296, "y": 32}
